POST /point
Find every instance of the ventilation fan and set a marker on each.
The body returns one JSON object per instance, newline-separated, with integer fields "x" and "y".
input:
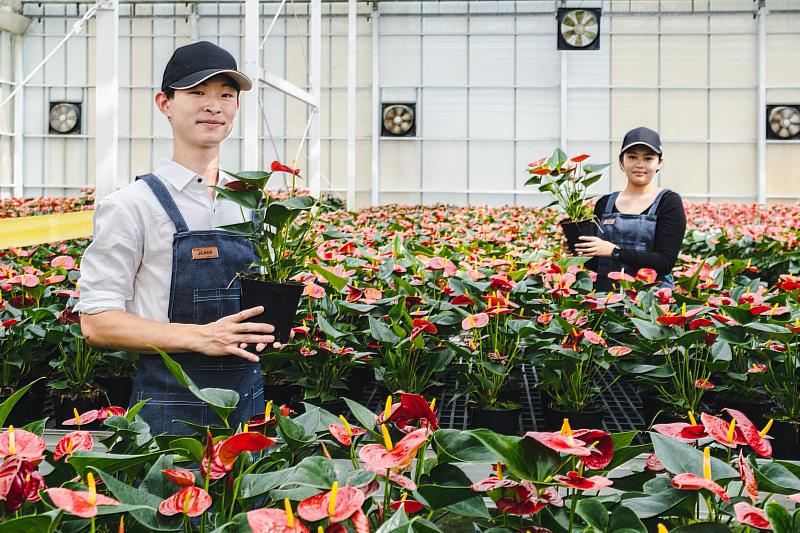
{"x": 399, "y": 120}
{"x": 65, "y": 117}
{"x": 578, "y": 29}
{"x": 783, "y": 122}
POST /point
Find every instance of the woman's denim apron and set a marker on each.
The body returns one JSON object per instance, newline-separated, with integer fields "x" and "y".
{"x": 203, "y": 265}
{"x": 634, "y": 232}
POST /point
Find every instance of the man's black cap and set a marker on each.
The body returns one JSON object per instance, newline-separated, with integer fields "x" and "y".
{"x": 644, "y": 136}
{"x": 195, "y": 63}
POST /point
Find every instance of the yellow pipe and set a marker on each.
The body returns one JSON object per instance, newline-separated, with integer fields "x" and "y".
{"x": 28, "y": 231}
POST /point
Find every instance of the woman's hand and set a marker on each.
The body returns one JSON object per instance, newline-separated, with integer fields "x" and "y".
{"x": 594, "y": 247}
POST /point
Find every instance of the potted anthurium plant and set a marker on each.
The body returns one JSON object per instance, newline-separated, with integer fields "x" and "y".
{"x": 567, "y": 181}
{"x": 279, "y": 231}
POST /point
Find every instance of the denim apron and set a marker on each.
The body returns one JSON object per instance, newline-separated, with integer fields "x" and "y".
{"x": 203, "y": 265}
{"x": 634, "y": 232}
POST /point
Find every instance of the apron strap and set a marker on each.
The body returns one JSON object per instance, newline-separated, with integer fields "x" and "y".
{"x": 654, "y": 205}
{"x": 612, "y": 199}
{"x": 166, "y": 201}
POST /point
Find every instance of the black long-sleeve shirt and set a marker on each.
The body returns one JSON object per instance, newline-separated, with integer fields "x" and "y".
{"x": 670, "y": 230}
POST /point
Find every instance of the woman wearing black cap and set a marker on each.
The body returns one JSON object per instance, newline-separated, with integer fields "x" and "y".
{"x": 642, "y": 226}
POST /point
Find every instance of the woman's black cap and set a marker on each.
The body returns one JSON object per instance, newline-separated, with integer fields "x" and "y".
{"x": 195, "y": 63}
{"x": 644, "y": 136}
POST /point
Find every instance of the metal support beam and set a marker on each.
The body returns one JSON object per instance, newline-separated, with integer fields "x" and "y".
{"x": 352, "y": 29}
{"x": 249, "y": 115}
{"x": 289, "y": 88}
{"x": 19, "y": 129}
{"x": 562, "y": 56}
{"x": 107, "y": 99}
{"x": 315, "y": 79}
{"x": 761, "y": 91}
{"x": 376, "y": 106}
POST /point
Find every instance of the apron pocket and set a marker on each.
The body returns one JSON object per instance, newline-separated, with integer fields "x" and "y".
{"x": 162, "y": 409}
{"x": 212, "y": 304}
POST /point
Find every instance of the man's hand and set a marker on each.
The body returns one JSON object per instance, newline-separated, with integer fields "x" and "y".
{"x": 231, "y": 335}
{"x": 594, "y": 247}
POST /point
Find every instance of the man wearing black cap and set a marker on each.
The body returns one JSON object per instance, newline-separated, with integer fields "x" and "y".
{"x": 641, "y": 227}
{"x": 158, "y": 272}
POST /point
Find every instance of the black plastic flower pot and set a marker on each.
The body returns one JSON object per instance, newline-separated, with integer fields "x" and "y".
{"x": 574, "y": 230}
{"x": 785, "y": 440}
{"x": 503, "y": 421}
{"x": 64, "y": 406}
{"x": 281, "y": 393}
{"x": 29, "y": 408}
{"x": 118, "y": 389}
{"x": 589, "y": 418}
{"x": 654, "y": 411}
{"x": 360, "y": 378}
{"x": 511, "y": 391}
{"x": 280, "y": 301}
{"x": 754, "y": 408}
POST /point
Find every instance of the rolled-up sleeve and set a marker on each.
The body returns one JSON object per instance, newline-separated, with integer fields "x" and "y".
{"x": 110, "y": 263}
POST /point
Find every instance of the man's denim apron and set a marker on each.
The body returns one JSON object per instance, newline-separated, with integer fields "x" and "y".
{"x": 636, "y": 232}
{"x": 203, "y": 265}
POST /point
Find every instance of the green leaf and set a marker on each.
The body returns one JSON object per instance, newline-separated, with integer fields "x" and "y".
{"x": 593, "y": 513}
{"x": 702, "y": 528}
{"x": 293, "y": 433}
{"x": 395, "y": 523}
{"x": 776, "y": 477}
{"x": 131, "y": 414}
{"x": 110, "y": 462}
{"x": 326, "y": 327}
{"x": 525, "y": 458}
{"x": 624, "y": 519}
{"x": 221, "y": 401}
{"x": 11, "y": 401}
{"x": 457, "y": 446}
{"x": 779, "y": 518}
{"x": 381, "y": 332}
{"x": 280, "y": 213}
{"x": 149, "y": 517}
{"x": 661, "y": 498}
{"x": 156, "y": 483}
{"x": 336, "y": 282}
{"x": 315, "y": 419}
{"x": 246, "y": 198}
{"x": 365, "y": 417}
{"x": 257, "y": 484}
{"x": 649, "y": 330}
{"x": 678, "y": 458}
{"x": 192, "y": 447}
{"x": 26, "y": 524}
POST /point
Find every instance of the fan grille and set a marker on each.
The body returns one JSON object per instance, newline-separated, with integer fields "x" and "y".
{"x": 784, "y": 121}
{"x": 579, "y": 28}
{"x": 398, "y": 119}
{"x": 63, "y": 117}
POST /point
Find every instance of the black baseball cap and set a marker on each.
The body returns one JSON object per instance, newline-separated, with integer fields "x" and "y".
{"x": 644, "y": 136}
{"x": 195, "y": 63}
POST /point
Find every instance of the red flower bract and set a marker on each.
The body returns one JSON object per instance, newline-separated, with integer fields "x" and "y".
{"x": 26, "y": 445}
{"x": 71, "y": 442}
{"x": 691, "y": 481}
{"x": 412, "y": 407}
{"x": 191, "y": 501}
{"x": 182, "y": 478}
{"x": 278, "y": 167}
{"x": 315, "y": 508}
{"x": 77, "y": 503}
{"x": 242, "y": 442}
{"x": 751, "y": 516}
{"x": 273, "y": 521}
{"x": 339, "y": 432}
{"x": 576, "y": 481}
{"x": 751, "y": 435}
{"x": 375, "y": 456}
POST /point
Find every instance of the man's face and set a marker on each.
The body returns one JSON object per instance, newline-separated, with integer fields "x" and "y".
{"x": 203, "y": 115}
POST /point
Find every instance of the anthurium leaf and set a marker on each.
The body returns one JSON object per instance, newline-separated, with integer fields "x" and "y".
{"x": 655, "y": 504}
{"x": 191, "y": 447}
{"x": 460, "y": 447}
{"x": 158, "y": 484}
{"x": 678, "y": 458}
{"x": 777, "y": 477}
{"x": 365, "y": 417}
{"x": 780, "y": 519}
{"x": 221, "y": 401}
{"x": 11, "y": 401}
{"x": 326, "y": 327}
{"x": 395, "y": 523}
{"x": 26, "y": 524}
{"x": 149, "y": 517}
{"x": 316, "y": 419}
{"x": 525, "y": 458}
{"x": 649, "y": 330}
{"x": 624, "y": 520}
{"x": 593, "y": 513}
{"x": 37, "y": 427}
{"x": 381, "y": 332}
{"x": 246, "y": 198}
{"x": 352, "y": 306}
{"x": 280, "y": 213}
{"x": 336, "y": 282}
{"x": 447, "y": 485}
{"x": 316, "y": 472}
{"x": 257, "y": 484}
{"x": 702, "y": 528}
{"x": 293, "y": 433}
{"x": 110, "y": 462}
{"x": 131, "y": 413}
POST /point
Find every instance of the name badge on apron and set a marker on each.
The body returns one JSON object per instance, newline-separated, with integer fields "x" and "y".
{"x": 209, "y": 252}
{"x": 609, "y": 221}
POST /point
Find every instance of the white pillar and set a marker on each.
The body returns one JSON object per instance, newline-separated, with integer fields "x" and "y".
{"x": 376, "y": 107}
{"x": 249, "y": 114}
{"x": 761, "y": 136}
{"x": 352, "y": 43}
{"x": 106, "y": 98}
{"x": 315, "y": 74}
{"x": 19, "y": 129}
{"x": 563, "y": 107}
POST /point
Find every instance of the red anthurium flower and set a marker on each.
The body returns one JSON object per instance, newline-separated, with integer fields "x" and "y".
{"x": 440, "y": 263}
{"x": 376, "y": 456}
{"x": 419, "y": 325}
{"x": 71, "y": 442}
{"x": 190, "y": 501}
{"x": 795, "y": 497}
{"x": 751, "y": 516}
{"x": 22, "y": 443}
{"x": 53, "y": 279}
{"x": 10, "y": 322}
{"x": 312, "y": 290}
{"x": 648, "y": 275}
{"x": 108, "y": 412}
{"x": 579, "y": 158}
{"x": 700, "y": 323}
{"x": 83, "y": 504}
{"x": 653, "y": 464}
{"x": 19, "y": 482}
{"x": 461, "y": 299}
{"x": 681, "y": 430}
{"x": 751, "y": 434}
{"x": 789, "y": 283}
{"x": 690, "y": 481}
{"x": 718, "y": 429}
{"x": 274, "y": 520}
{"x": 64, "y": 261}
{"x": 593, "y": 337}
{"x": 409, "y": 506}
{"x": 345, "y": 434}
{"x": 84, "y": 418}
{"x": 703, "y": 384}
{"x": 242, "y": 442}
{"x": 560, "y": 443}
{"x": 346, "y": 502}
{"x": 600, "y": 444}
{"x": 412, "y": 407}
{"x": 475, "y": 321}
{"x": 181, "y": 478}
{"x": 619, "y": 351}
{"x": 576, "y": 481}
{"x": 521, "y": 500}
{"x": 748, "y": 478}
{"x": 278, "y": 167}
{"x": 237, "y": 185}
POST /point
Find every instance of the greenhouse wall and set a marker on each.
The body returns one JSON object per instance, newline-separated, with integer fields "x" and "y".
{"x": 486, "y": 79}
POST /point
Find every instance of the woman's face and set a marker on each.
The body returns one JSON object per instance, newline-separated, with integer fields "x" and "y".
{"x": 640, "y": 165}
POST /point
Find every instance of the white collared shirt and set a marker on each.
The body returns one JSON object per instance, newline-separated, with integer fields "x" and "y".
{"x": 128, "y": 265}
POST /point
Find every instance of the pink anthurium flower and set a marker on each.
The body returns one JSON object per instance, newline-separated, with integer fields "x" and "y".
{"x": 621, "y": 276}
{"x": 379, "y": 458}
{"x": 751, "y": 516}
{"x": 190, "y": 501}
{"x": 681, "y": 430}
{"x": 83, "y": 504}
{"x": 751, "y": 434}
{"x": 22, "y": 443}
{"x": 181, "y": 478}
{"x": 648, "y": 275}
{"x": 336, "y": 505}
{"x": 723, "y": 432}
{"x": 412, "y": 407}
{"x": 19, "y": 482}
{"x": 689, "y": 481}
{"x": 619, "y": 351}
{"x": 576, "y": 481}
{"x": 475, "y": 321}
{"x": 64, "y": 261}
{"x": 81, "y": 420}
{"x": 344, "y": 433}
{"x": 72, "y": 442}
{"x": 107, "y": 412}
{"x": 274, "y": 521}
{"x": 748, "y": 478}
